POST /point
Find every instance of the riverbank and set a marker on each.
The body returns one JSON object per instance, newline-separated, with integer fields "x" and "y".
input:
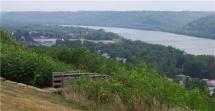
{"x": 189, "y": 44}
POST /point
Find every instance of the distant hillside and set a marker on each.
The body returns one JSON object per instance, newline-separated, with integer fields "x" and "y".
{"x": 147, "y": 20}
{"x": 203, "y": 27}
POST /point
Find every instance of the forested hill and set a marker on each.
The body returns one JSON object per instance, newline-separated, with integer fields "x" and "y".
{"x": 129, "y": 89}
{"x": 202, "y": 27}
{"x": 167, "y": 61}
{"x": 148, "y": 20}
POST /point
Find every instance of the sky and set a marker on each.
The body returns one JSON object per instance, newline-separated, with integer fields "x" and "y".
{"x": 107, "y": 5}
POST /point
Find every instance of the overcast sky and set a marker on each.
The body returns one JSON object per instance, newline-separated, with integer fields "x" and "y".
{"x": 100, "y": 5}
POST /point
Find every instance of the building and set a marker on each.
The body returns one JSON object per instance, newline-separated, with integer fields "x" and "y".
{"x": 211, "y": 83}
{"x": 211, "y": 87}
{"x": 182, "y": 79}
{"x": 105, "y": 55}
{"x": 121, "y": 59}
{"x": 46, "y": 41}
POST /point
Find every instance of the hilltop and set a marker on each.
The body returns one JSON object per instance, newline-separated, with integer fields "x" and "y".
{"x": 204, "y": 26}
{"x": 166, "y": 21}
{"x": 130, "y": 88}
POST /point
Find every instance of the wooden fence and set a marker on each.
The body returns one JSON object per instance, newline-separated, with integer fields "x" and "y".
{"x": 58, "y": 77}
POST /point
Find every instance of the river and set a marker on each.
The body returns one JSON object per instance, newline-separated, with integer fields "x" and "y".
{"x": 189, "y": 44}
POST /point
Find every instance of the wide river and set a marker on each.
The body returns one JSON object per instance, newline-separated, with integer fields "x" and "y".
{"x": 189, "y": 44}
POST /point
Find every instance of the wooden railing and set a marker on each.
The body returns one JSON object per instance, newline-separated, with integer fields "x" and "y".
{"x": 58, "y": 77}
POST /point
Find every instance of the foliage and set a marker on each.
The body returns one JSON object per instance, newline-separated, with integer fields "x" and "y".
{"x": 203, "y": 27}
{"x": 167, "y": 61}
{"x": 136, "y": 86}
{"x": 23, "y": 32}
{"x": 21, "y": 65}
{"x": 80, "y": 58}
{"x": 139, "y": 88}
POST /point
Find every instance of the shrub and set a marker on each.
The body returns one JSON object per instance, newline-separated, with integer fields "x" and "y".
{"x": 21, "y": 65}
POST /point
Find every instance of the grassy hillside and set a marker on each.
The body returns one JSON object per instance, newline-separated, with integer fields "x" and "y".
{"x": 204, "y": 27}
{"x": 17, "y": 98}
{"x": 138, "y": 89}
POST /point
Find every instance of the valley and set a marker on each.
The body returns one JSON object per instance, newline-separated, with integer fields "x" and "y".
{"x": 70, "y": 56}
{"x": 179, "y": 22}
{"x": 189, "y": 44}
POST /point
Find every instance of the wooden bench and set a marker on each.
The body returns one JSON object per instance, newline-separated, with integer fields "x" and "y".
{"x": 58, "y": 77}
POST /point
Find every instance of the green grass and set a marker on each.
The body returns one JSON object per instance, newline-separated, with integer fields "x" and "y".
{"x": 17, "y": 98}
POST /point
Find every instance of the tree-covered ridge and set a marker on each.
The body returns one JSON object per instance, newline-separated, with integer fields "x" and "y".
{"x": 138, "y": 88}
{"x": 167, "y": 61}
{"x": 204, "y": 27}
{"x": 148, "y": 20}
{"x": 35, "y": 31}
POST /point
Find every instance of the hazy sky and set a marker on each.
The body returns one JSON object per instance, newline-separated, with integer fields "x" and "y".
{"x": 120, "y": 5}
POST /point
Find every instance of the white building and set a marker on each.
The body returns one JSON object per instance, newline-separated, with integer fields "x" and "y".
{"x": 211, "y": 87}
{"x": 47, "y": 41}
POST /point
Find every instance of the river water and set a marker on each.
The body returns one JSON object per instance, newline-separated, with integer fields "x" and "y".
{"x": 189, "y": 44}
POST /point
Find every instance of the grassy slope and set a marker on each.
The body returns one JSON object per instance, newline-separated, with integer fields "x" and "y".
{"x": 17, "y": 98}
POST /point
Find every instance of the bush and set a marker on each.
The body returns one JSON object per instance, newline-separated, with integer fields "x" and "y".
{"x": 21, "y": 65}
{"x": 30, "y": 68}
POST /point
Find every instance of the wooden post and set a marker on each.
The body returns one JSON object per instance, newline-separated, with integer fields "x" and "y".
{"x": 62, "y": 81}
